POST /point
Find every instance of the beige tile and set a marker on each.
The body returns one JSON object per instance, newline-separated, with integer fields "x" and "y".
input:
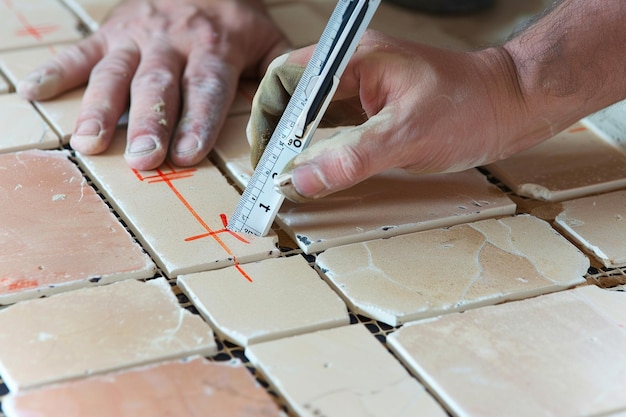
{"x": 32, "y": 131}
{"x": 342, "y": 372}
{"x": 176, "y": 388}
{"x": 92, "y": 12}
{"x": 56, "y": 233}
{"x": 388, "y": 204}
{"x": 572, "y": 164}
{"x": 96, "y": 330}
{"x": 60, "y": 112}
{"x": 285, "y": 297}
{"x": 301, "y": 23}
{"x": 179, "y": 214}
{"x": 452, "y": 269}
{"x": 561, "y": 354}
{"x": 610, "y": 123}
{"x": 598, "y": 224}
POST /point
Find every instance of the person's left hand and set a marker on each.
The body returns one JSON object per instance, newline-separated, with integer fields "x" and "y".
{"x": 177, "y": 62}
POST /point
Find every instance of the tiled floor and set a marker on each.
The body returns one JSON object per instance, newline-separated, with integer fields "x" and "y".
{"x": 498, "y": 291}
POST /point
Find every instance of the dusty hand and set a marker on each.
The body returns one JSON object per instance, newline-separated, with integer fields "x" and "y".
{"x": 415, "y": 107}
{"x": 177, "y": 63}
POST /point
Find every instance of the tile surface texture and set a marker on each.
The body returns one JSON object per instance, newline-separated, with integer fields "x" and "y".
{"x": 598, "y": 224}
{"x": 179, "y": 214}
{"x": 56, "y": 233}
{"x": 453, "y": 269}
{"x": 92, "y": 12}
{"x": 388, "y": 204}
{"x": 97, "y": 330}
{"x": 610, "y": 123}
{"x": 561, "y": 354}
{"x": 572, "y": 164}
{"x": 190, "y": 388}
{"x": 341, "y": 372}
{"x": 31, "y": 132}
{"x": 285, "y": 297}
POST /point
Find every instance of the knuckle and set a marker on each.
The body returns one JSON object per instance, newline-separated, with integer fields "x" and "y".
{"x": 154, "y": 77}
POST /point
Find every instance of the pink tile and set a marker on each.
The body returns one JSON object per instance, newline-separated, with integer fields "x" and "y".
{"x": 56, "y": 233}
{"x": 190, "y": 388}
{"x": 31, "y": 132}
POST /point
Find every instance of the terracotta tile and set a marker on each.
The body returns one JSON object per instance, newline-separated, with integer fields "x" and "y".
{"x": 610, "y": 123}
{"x": 453, "y": 269}
{"x": 61, "y": 112}
{"x": 572, "y": 164}
{"x": 27, "y": 23}
{"x": 92, "y": 12}
{"x": 175, "y": 388}
{"x": 97, "y": 330}
{"x": 301, "y": 23}
{"x": 179, "y": 214}
{"x": 560, "y": 354}
{"x": 56, "y": 233}
{"x": 31, "y": 132}
{"x": 343, "y": 372}
{"x": 598, "y": 224}
{"x": 388, "y": 204}
{"x": 277, "y": 298}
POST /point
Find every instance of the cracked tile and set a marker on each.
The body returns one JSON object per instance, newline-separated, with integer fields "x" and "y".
{"x": 31, "y": 132}
{"x": 598, "y": 224}
{"x": 252, "y": 308}
{"x": 96, "y": 330}
{"x": 439, "y": 271}
{"x": 190, "y": 387}
{"x": 179, "y": 214}
{"x": 389, "y": 204}
{"x": 342, "y": 372}
{"x": 56, "y": 233}
{"x": 562, "y": 354}
{"x": 572, "y": 164}
{"x": 28, "y": 23}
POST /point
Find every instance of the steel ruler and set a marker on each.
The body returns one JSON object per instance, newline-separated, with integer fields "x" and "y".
{"x": 261, "y": 200}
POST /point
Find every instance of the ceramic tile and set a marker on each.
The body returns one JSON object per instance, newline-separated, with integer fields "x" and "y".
{"x": 572, "y": 164}
{"x": 388, "y": 204}
{"x": 56, "y": 233}
{"x": 598, "y": 224}
{"x": 179, "y": 214}
{"x": 174, "y": 388}
{"x": 32, "y": 131}
{"x": 284, "y": 296}
{"x": 92, "y": 12}
{"x": 610, "y": 123}
{"x": 60, "y": 112}
{"x": 96, "y": 330}
{"x": 27, "y": 23}
{"x": 301, "y": 23}
{"x": 342, "y": 372}
{"x": 452, "y": 269}
{"x": 4, "y": 85}
{"x": 561, "y": 354}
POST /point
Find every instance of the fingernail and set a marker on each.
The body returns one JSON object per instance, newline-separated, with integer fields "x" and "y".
{"x": 186, "y": 144}
{"x": 141, "y": 145}
{"x": 301, "y": 184}
{"x": 89, "y": 129}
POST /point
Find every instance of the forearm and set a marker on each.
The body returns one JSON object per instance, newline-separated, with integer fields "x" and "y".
{"x": 572, "y": 61}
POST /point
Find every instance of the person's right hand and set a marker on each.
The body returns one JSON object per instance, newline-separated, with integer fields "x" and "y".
{"x": 177, "y": 62}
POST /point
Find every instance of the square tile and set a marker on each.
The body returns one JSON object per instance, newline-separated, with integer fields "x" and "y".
{"x": 341, "y": 372}
{"x": 190, "y": 387}
{"x": 572, "y": 164}
{"x": 440, "y": 271}
{"x": 389, "y": 204}
{"x": 56, "y": 233}
{"x": 31, "y": 132}
{"x": 610, "y": 123}
{"x": 283, "y": 297}
{"x": 27, "y": 23}
{"x": 562, "y": 354}
{"x": 598, "y": 224}
{"x": 97, "y": 330}
{"x": 179, "y": 214}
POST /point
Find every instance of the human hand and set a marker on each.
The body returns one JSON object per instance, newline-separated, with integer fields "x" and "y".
{"x": 177, "y": 62}
{"x": 415, "y": 107}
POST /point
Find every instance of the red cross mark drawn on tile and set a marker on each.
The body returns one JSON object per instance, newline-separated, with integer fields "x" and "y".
{"x": 172, "y": 175}
{"x": 35, "y": 31}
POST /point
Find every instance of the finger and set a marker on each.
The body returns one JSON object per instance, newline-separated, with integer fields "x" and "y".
{"x": 105, "y": 99}
{"x": 208, "y": 88}
{"x": 68, "y": 69}
{"x": 155, "y": 103}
